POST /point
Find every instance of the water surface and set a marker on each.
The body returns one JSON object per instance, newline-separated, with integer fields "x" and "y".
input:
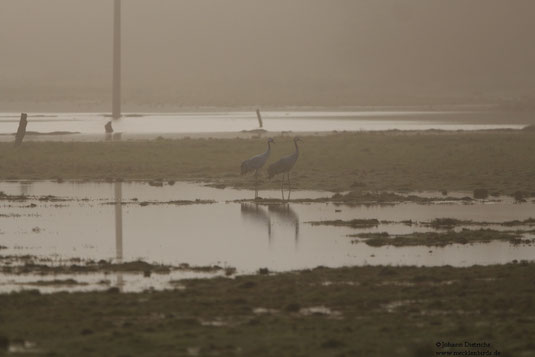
{"x": 106, "y": 221}
{"x": 135, "y": 125}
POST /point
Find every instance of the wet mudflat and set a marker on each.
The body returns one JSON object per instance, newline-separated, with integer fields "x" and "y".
{"x": 77, "y": 236}
{"x": 498, "y": 161}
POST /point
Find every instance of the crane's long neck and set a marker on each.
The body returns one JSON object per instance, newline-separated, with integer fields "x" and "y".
{"x": 296, "y": 148}
{"x": 269, "y": 146}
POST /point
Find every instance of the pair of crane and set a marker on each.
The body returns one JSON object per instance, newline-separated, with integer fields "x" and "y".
{"x": 283, "y": 166}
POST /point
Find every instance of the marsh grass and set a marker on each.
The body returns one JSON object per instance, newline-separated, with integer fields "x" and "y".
{"x": 354, "y": 223}
{"x": 28, "y": 264}
{"x": 440, "y": 239}
{"x": 376, "y": 311}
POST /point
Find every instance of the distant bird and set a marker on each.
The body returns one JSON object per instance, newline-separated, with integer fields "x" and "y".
{"x": 256, "y": 163}
{"x": 284, "y": 166}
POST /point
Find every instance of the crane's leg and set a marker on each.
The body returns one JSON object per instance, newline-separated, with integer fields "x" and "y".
{"x": 256, "y": 184}
{"x": 282, "y": 187}
{"x": 296, "y": 233}
{"x": 269, "y": 231}
{"x": 289, "y": 186}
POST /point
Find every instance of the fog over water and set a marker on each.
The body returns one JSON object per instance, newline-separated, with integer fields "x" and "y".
{"x": 56, "y": 54}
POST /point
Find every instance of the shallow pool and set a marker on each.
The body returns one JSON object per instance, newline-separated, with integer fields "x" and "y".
{"x": 130, "y": 221}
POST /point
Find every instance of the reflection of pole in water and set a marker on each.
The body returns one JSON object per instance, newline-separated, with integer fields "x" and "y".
{"x": 119, "y": 221}
{"x": 119, "y": 229}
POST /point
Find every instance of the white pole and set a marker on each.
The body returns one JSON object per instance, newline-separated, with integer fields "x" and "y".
{"x": 116, "y": 105}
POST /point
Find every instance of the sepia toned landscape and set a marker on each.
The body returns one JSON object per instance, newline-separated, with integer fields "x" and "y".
{"x": 252, "y": 178}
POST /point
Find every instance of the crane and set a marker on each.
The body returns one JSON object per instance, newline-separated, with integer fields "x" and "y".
{"x": 255, "y": 163}
{"x": 284, "y": 166}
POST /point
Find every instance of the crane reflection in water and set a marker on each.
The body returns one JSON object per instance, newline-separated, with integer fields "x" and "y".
{"x": 276, "y": 212}
{"x": 258, "y": 215}
{"x": 286, "y": 214}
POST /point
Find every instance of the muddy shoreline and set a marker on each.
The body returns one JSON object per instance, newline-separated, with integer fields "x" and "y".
{"x": 373, "y": 161}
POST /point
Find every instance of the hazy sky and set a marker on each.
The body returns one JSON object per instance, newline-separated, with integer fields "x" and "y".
{"x": 236, "y": 52}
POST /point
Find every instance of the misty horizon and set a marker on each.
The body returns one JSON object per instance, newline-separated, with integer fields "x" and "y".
{"x": 253, "y": 53}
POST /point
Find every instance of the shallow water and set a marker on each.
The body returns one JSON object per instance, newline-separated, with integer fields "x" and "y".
{"x": 232, "y": 122}
{"x": 89, "y": 224}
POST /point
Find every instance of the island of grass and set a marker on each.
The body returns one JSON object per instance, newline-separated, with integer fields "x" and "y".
{"x": 441, "y": 239}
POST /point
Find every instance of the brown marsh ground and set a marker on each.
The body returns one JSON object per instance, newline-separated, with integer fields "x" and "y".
{"x": 366, "y": 311}
{"x": 499, "y": 161}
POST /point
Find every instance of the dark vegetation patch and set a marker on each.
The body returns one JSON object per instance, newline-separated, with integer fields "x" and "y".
{"x": 173, "y": 202}
{"x": 437, "y": 223}
{"x": 362, "y": 198}
{"x": 388, "y": 197}
{"x": 23, "y": 198}
{"x": 354, "y": 223}
{"x": 27, "y": 264}
{"x": 526, "y": 222}
{"x": 466, "y": 236}
{"x": 10, "y": 215}
{"x": 55, "y": 282}
{"x": 447, "y": 223}
{"x": 488, "y": 303}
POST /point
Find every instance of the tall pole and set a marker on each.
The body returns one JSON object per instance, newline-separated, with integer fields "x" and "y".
{"x": 116, "y": 106}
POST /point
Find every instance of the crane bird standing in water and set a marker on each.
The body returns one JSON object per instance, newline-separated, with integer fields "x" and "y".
{"x": 284, "y": 166}
{"x": 256, "y": 163}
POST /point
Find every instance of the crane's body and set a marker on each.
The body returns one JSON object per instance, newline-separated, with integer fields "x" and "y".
{"x": 284, "y": 166}
{"x": 255, "y": 163}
